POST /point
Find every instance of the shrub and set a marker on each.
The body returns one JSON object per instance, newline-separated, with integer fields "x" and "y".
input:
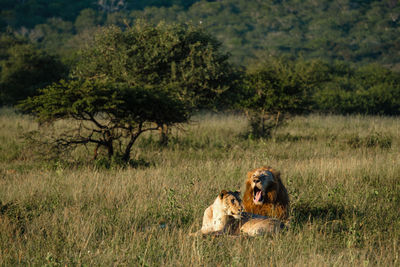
{"x": 374, "y": 139}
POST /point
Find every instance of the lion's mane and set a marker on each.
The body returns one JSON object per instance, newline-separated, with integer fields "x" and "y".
{"x": 276, "y": 200}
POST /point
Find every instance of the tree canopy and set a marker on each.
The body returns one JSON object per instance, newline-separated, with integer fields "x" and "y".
{"x": 107, "y": 114}
{"x": 353, "y": 39}
{"x": 132, "y": 81}
{"x": 276, "y": 88}
{"x": 181, "y": 59}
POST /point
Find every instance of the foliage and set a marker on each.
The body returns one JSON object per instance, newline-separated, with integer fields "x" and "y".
{"x": 182, "y": 60}
{"x": 132, "y": 81}
{"x": 110, "y": 115}
{"x": 348, "y": 30}
{"x": 30, "y": 13}
{"x": 374, "y": 139}
{"x": 353, "y": 33}
{"x": 371, "y": 89}
{"x": 24, "y": 69}
{"x": 52, "y": 36}
{"x": 276, "y": 88}
{"x": 7, "y": 41}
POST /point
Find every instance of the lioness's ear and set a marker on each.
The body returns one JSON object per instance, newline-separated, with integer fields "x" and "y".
{"x": 237, "y": 194}
{"x": 222, "y": 194}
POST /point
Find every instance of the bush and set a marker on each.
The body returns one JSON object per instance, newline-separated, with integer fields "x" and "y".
{"x": 374, "y": 139}
{"x": 25, "y": 70}
{"x": 276, "y": 88}
{"x": 369, "y": 90}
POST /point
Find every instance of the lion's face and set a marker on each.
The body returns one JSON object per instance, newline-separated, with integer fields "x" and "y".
{"x": 260, "y": 181}
{"x": 232, "y": 203}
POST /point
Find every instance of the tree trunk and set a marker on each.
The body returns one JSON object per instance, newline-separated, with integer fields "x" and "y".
{"x": 96, "y": 151}
{"x": 110, "y": 149}
{"x": 164, "y": 131}
{"x": 127, "y": 154}
{"x": 262, "y": 123}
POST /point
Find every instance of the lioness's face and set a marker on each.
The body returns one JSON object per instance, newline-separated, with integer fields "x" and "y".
{"x": 233, "y": 204}
{"x": 260, "y": 181}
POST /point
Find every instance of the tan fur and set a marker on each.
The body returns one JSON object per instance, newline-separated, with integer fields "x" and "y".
{"x": 275, "y": 199}
{"x": 225, "y": 216}
{"x": 220, "y": 216}
{"x": 259, "y": 225}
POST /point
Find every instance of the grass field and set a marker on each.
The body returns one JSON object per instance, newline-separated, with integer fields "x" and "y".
{"x": 342, "y": 174}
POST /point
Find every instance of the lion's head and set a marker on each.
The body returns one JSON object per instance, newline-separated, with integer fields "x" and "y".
{"x": 264, "y": 185}
{"x": 231, "y": 203}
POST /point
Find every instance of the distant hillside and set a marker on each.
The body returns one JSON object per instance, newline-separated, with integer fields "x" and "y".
{"x": 358, "y": 31}
{"x": 28, "y": 13}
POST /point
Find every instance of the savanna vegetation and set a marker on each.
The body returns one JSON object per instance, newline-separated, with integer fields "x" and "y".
{"x": 346, "y": 51}
{"x": 341, "y": 173}
{"x": 349, "y": 30}
{"x": 349, "y": 49}
{"x": 311, "y": 88}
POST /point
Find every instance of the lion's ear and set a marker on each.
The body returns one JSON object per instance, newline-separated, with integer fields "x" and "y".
{"x": 223, "y": 193}
{"x": 275, "y": 173}
{"x": 237, "y": 193}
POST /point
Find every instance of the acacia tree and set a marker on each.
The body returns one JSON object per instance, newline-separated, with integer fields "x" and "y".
{"x": 109, "y": 115}
{"x": 129, "y": 82}
{"x": 183, "y": 61}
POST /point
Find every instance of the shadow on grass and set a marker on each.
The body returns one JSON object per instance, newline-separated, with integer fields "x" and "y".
{"x": 17, "y": 216}
{"x": 305, "y": 213}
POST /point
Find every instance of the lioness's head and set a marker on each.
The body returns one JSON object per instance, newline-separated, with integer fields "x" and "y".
{"x": 263, "y": 183}
{"x": 231, "y": 203}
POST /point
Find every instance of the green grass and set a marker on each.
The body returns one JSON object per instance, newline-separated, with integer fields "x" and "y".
{"x": 342, "y": 174}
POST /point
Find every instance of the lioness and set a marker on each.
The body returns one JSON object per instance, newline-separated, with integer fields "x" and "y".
{"x": 220, "y": 216}
{"x": 225, "y": 216}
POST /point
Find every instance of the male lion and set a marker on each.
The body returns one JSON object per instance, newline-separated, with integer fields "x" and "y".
{"x": 225, "y": 216}
{"x": 265, "y": 194}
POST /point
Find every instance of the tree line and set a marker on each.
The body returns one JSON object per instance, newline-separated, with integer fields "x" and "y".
{"x": 332, "y": 87}
{"x": 354, "y": 31}
{"x": 119, "y": 68}
{"x": 141, "y": 78}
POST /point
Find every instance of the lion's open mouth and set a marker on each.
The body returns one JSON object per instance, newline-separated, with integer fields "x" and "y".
{"x": 258, "y": 196}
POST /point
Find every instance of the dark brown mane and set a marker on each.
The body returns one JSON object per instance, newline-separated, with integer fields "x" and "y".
{"x": 276, "y": 203}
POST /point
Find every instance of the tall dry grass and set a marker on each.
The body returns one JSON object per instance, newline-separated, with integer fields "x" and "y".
{"x": 342, "y": 174}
